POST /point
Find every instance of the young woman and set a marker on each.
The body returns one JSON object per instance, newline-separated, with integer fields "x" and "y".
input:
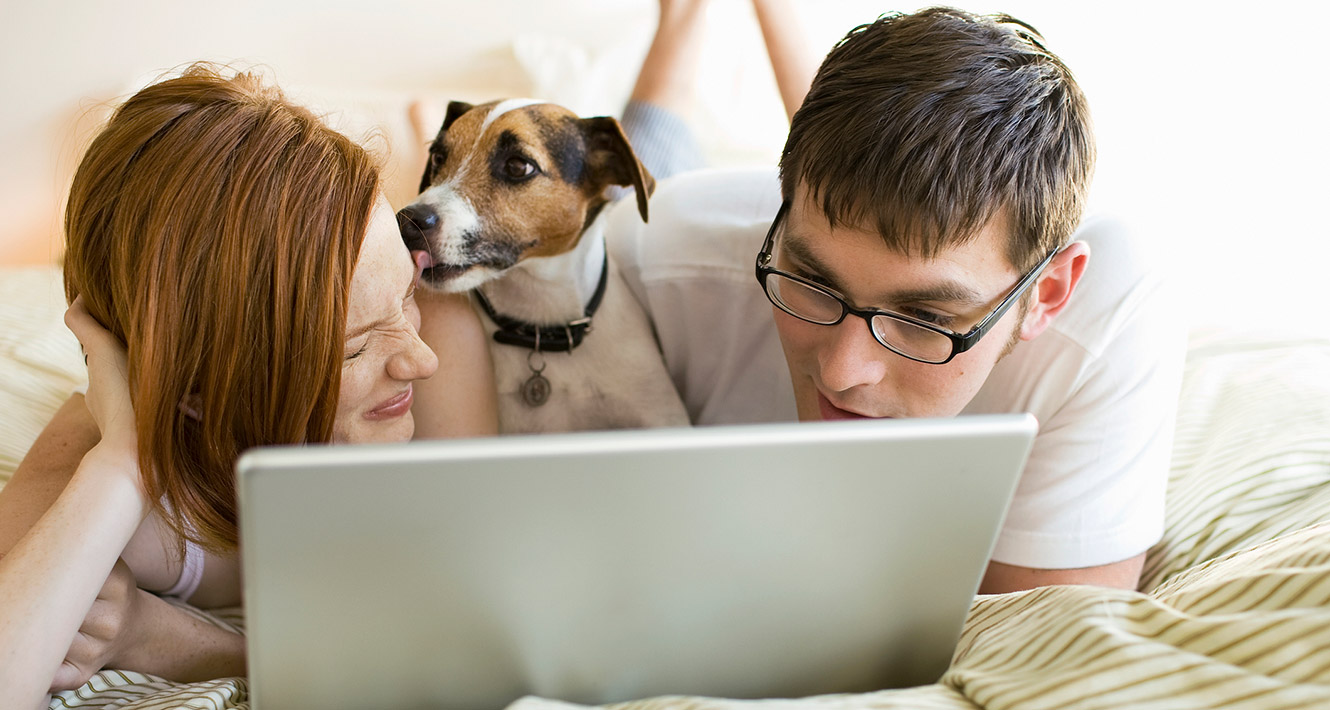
{"x": 237, "y": 280}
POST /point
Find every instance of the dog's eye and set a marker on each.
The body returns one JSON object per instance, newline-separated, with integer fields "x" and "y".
{"x": 518, "y": 168}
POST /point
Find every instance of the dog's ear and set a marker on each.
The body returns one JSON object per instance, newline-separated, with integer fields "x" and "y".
{"x": 455, "y": 111}
{"x": 613, "y": 161}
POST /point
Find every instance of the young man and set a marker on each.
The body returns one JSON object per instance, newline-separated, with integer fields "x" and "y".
{"x": 921, "y": 262}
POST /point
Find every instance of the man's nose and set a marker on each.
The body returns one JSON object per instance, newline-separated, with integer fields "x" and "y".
{"x": 850, "y": 357}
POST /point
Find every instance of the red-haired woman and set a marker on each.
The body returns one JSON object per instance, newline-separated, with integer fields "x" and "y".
{"x": 237, "y": 275}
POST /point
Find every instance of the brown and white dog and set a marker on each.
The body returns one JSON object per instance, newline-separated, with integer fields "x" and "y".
{"x": 510, "y": 205}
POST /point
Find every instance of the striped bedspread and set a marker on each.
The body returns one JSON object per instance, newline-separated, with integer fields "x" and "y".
{"x": 1234, "y": 610}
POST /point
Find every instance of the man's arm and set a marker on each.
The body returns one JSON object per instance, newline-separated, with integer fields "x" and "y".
{"x": 1001, "y": 578}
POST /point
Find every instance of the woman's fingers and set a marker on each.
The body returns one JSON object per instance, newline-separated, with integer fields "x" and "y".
{"x": 108, "y": 396}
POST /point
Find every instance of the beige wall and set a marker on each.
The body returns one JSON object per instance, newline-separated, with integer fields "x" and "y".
{"x": 1210, "y": 115}
{"x": 65, "y": 61}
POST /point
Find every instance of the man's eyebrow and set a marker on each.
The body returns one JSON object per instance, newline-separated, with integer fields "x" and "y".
{"x": 949, "y": 292}
{"x": 798, "y": 249}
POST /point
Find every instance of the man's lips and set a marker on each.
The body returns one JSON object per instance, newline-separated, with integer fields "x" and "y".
{"x": 392, "y": 408}
{"x": 830, "y": 411}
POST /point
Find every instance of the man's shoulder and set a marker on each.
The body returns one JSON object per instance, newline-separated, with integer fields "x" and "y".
{"x": 705, "y": 219}
{"x": 717, "y": 193}
{"x": 1117, "y": 328}
{"x": 1122, "y": 285}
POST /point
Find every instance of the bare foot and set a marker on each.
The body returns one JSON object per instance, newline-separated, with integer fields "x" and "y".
{"x": 669, "y": 71}
{"x": 426, "y": 118}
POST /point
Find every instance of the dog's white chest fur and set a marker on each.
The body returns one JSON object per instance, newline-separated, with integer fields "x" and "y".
{"x": 615, "y": 379}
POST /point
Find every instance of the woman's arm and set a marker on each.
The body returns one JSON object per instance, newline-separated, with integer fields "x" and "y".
{"x": 460, "y": 399}
{"x": 65, "y": 519}
{"x": 49, "y": 579}
{"x": 52, "y": 574}
{"x": 133, "y": 629}
{"x": 45, "y": 470}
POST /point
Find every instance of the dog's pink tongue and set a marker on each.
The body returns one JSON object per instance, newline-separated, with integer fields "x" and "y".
{"x": 423, "y": 261}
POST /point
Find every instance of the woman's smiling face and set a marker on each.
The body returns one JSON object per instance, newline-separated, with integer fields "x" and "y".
{"x": 384, "y": 353}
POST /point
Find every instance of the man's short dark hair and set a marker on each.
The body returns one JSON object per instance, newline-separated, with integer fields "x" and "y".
{"x": 929, "y": 125}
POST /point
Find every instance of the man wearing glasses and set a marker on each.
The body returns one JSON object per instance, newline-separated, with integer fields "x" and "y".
{"x": 921, "y": 262}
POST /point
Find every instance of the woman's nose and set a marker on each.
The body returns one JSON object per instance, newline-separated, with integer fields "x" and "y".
{"x": 416, "y": 361}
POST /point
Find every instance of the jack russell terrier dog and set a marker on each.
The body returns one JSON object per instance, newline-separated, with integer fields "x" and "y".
{"x": 511, "y": 206}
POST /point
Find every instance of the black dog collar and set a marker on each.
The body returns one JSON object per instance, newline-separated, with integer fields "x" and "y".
{"x": 555, "y": 338}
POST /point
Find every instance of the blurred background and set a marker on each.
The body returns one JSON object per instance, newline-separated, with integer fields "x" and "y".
{"x": 1210, "y": 117}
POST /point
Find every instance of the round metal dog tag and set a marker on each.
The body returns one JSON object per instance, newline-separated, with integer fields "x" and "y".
{"x": 536, "y": 391}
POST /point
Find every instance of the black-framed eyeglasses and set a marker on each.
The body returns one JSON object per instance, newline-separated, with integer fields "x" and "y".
{"x": 901, "y": 334}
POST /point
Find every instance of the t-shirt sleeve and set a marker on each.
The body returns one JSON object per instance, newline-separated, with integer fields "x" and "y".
{"x": 1092, "y": 492}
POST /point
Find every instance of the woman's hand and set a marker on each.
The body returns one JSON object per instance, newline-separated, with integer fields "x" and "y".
{"x": 108, "y": 380}
{"x": 111, "y": 626}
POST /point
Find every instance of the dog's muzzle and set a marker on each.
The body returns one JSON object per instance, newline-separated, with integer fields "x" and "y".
{"x": 417, "y": 222}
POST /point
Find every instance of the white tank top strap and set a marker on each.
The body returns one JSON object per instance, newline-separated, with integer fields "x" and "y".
{"x": 191, "y": 573}
{"x": 191, "y": 568}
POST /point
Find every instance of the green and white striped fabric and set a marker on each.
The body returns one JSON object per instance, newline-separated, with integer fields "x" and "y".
{"x": 1234, "y": 610}
{"x": 1251, "y": 454}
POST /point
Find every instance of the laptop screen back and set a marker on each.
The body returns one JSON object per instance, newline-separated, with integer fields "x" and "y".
{"x": 763, "y": 561}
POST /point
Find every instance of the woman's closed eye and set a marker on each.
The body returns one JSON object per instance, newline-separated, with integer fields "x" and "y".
{"x": 398, "y": 321}
{"x": 357, "y": 352}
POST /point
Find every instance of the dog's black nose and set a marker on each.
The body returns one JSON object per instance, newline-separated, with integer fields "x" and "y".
{"x": 417, "y": 221}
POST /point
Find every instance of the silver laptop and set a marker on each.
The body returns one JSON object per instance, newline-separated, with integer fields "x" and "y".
{"x": 744, "y": 562}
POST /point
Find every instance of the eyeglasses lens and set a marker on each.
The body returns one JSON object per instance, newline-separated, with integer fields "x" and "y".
{"x": 802, "y": 301}
{"x": 911, "y": 340}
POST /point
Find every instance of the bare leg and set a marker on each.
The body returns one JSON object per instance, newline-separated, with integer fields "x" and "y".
{"x": 793, "y": 60}
{"x": 654, "y": 119}
{"x": 670, "y": 67}
{"x": 426, "y": 117}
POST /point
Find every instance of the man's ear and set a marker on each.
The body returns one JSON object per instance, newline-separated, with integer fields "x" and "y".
{"x": 1052, "y": 292}
{"x": 613, "y": 162}
{"x": 455, "y": 110}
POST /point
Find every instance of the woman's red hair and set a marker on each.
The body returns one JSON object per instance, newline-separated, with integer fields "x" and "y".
{"x": 213, "y": 227}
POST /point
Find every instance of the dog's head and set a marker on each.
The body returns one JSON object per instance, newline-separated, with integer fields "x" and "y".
{"x": 511, "y": 180}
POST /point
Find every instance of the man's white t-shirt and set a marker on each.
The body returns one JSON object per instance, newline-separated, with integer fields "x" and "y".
{"x": 1102, "y": 380}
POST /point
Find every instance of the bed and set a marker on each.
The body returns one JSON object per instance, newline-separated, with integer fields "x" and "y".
{"x": 1233, "y": 610}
